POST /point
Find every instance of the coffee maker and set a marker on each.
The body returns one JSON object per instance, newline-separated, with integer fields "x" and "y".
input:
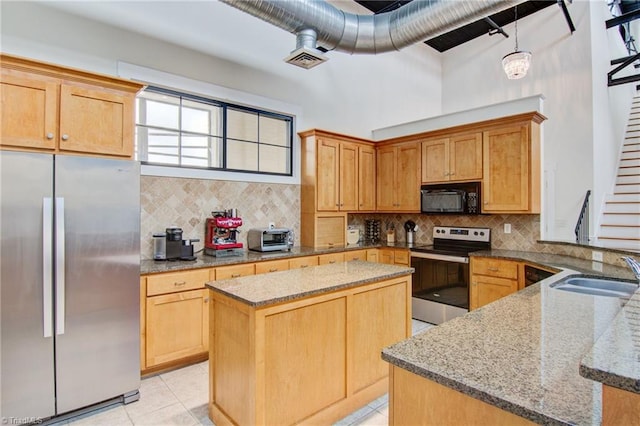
{"x": 171, "y": 246}
{"x": 222, "y": 234}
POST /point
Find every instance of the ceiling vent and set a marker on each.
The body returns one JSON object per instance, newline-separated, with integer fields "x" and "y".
{"x": 306, "y": 58}
{"x": 306, "y": 55}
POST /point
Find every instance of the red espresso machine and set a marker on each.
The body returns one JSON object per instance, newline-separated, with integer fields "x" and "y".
{"x": 222, "y": 234}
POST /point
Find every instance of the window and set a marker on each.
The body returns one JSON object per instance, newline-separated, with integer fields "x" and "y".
{"x": 188, "y": 131}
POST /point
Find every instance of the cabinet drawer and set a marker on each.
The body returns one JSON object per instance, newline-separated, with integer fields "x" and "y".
{"x": 355, "y": 255}
{"x": 235, "y": 271}
{"x": 325, "y": 259}
{"x": 303, "y": 262}
{"x": 272, "y": 266}
{"x": 401, "y": 257}
{"x": 176, "y": 281}
{"x": 495, "y": 268}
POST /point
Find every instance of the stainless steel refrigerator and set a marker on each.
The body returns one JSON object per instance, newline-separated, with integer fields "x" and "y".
{"x": 69, "y": 281}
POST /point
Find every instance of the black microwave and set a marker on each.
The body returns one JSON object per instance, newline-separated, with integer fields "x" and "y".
{"x": 450, "y": 198}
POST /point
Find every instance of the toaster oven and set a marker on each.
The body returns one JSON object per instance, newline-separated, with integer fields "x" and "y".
{"x": 270, "y": 239}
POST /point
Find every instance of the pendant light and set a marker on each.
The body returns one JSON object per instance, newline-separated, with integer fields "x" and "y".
{"x": 516, "y": 63}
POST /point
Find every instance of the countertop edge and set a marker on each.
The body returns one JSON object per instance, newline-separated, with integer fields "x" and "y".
{"x": 277, "y": 300}
{"x": 482, "y": 396}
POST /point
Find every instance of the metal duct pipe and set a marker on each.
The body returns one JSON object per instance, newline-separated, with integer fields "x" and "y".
{"x": 347, "y": 32}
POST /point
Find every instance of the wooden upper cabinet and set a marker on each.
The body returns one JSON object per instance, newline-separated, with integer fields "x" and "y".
{"x": 366, "y": 178}
{"x": 96, "y": 122}
{"x": 408, "y": 177}
{"x": 49, "y": 108}
{"x": 511, "y": 181}
{"x": 348, "y": 177}
{"x": 327, "y": 178}
{"x": 398, "y": 180}
{"x": 453, "y": 158}
{"x": 29, "y": 111}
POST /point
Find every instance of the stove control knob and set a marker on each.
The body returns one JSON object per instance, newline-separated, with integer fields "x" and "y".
{"x": 482, "y": 233}
{"x": 475, "y": 233}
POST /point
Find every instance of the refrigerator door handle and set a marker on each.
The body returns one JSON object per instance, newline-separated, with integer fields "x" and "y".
{"x": 60, "y": 265}
{"x": 47, "y": 261}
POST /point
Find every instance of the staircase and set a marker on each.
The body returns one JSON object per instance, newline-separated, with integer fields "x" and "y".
{"x": 620, "y": 224}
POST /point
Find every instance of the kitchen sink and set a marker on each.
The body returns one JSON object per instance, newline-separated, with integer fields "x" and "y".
{"x": 597, "y": 286}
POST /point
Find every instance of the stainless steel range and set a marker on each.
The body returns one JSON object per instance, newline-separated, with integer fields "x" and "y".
{"x": 441, "y": 278}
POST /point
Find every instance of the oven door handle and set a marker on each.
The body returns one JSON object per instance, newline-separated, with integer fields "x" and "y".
{"x": 435, "y": 256}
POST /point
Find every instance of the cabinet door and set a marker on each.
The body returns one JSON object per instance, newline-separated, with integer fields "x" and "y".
{"x": 385, "y": 189}
{"x": 95, "y": 121}
{"x": 407, "y": 185}
{"x": 386, "y": 256}
{"x": 465, "y": 157}
{"x": 435, "y": 160}
{"x": 372, "y": 255}
{"x": 177, "y": 326}
{"x": 366, "y": 178}
{"x": 348, "y": 176}
{"x": 331, "y": 230}
{"x": 328, "y": 152}
{"x": 29, "y": 112}
{"x": 487, "y": 289}
{"x": 401, "y": 257}
{"x": 505, "y": 170}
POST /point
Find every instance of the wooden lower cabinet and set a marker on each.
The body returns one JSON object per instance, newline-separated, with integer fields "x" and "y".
{"x": 492, "y": 279}
{"x": 329, "y": 258}
{"x": 176, "y": 326}
{"x": 619, "y": 407}
{"x": 311, "y": 360}
{"x": 272, "y": 266}
{"x": 303, "y": 262}
{"x": 394, "y": 256}
{"x": 355, "y": 255}
{"x": 414, "y": 400}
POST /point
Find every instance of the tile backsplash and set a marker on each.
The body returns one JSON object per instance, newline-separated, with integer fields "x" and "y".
{"x": 525, "y": 229}
{"x": 187, "y": 203}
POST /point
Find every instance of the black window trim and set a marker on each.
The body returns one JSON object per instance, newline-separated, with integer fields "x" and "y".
{"x": 224, "y": 105}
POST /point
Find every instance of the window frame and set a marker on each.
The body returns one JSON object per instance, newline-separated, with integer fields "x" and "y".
{"x": 289, "y": 119}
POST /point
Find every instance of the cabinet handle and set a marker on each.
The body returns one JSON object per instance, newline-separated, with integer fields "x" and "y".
{"x": 330, "y": 244}
{"x": 452, "y": 173}
{"x": 273, "y": 270}
{"x": 179, "y": 283}
{"x": 235, "y": 275}
{"x": 65, "y": 137}
{"x": 49, "y": 135}
{"x": 304, "y": 266}
{"x": 206, "y": 300}
{"x": 493, "y": 269}
{"x": 332, "y": 261}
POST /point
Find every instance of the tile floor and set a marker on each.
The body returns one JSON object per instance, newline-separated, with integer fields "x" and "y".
{"x": 179, "y": 398}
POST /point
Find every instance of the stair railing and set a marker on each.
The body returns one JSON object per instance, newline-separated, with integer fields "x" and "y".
{"x": 582, "y": 227}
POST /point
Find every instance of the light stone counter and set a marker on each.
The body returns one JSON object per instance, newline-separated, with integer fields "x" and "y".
{"x": 523, "y": 352}
{"x": 615, "y": 358}
{"x": 276, "y": 287}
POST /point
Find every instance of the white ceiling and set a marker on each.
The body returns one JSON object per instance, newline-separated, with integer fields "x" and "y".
{"x": 207, "y": 26}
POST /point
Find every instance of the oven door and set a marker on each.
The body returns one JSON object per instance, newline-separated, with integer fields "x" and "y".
{"x": 440, "y": 287}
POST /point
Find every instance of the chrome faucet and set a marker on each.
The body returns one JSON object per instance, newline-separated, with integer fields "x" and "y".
{"x": 634, "y": 265}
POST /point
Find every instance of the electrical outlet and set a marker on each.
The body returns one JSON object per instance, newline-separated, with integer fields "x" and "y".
{"x": 272, "y": 225}
{"x": 596, "y": 255}
{"x": 507, "y": 228}
{"x": 596, "y": 266}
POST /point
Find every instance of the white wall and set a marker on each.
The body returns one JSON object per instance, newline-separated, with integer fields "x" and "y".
{"x": 347, "y": 94}
{"x": 575, "y": 100}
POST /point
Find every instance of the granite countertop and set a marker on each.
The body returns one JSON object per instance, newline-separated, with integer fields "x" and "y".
{"x": 615, "y": 358}
{"x": 149, "y": 266}
{"x": 525, "y": 353}
{"x": 276, "y": 287}
{"x": 560, "y": 262}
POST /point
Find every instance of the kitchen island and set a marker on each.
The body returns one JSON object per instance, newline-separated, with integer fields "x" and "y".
{"x": 515, "y": 361}
{"x": 304, "y": 345}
